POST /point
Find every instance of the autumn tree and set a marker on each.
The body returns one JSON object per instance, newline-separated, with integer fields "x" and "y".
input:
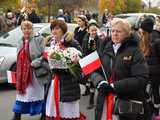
{"x": 111, "y": 5}
{"x": 106, "y": 4}
{"x": 133, "y": 6}
{"x": 9, "y": 4}
{"x": 102, "y": 5}
{"x": 120, "y": 6}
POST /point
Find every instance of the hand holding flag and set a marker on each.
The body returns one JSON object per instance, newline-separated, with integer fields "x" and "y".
{"x": 11, "y": 75}
{"x": 90, "y": 63}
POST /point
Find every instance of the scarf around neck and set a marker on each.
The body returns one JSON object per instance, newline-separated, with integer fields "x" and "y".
{"x": 55, "y": 43}
{"x": 24, "y": 69}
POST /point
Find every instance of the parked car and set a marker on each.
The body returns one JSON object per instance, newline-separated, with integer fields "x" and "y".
{"x": 136, "y": 18}
{"x": 8, "y": 46}
{"x": 45, "y": 31}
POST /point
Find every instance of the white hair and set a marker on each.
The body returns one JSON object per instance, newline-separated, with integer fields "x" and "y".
{"x": 126, "y": 26}
{"x": 60, "y": 11}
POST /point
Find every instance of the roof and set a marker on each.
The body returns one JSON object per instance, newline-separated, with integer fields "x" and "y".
{"x": 136, "y": 14}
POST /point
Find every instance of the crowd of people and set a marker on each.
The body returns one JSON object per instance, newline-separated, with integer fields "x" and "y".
{"x": 11, "y": 20}
{"x": 128, "y": 85}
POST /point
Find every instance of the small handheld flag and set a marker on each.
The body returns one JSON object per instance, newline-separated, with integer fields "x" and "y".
{"x": 90, "y": 63}
{"x": 11, "y": 75}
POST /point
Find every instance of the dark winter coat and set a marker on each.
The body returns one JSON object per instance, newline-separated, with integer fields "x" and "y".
{"x": 34, "y": 18}
{"x": 85, "y": 45}
{"x": 153, "y": 60}
{"x": 68, "y": 19}
{"x": 79, "y": 35}
{"x": 69, "y": 85}
{"x": 105, "y": 19}
{"x": 130, "y": 69}
{"x": 100, "y": 44}
{"x": 155, "y": 35}
{"x": 61, "y": 16}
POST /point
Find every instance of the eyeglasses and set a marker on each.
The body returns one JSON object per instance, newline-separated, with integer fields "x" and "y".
{"x": 117, "y": 31}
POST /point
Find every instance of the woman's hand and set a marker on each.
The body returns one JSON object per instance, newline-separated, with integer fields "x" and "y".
{"x": 104, "y": 87}
{"x": 36, "y": 63}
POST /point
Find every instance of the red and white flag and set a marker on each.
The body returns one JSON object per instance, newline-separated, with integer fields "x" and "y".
{"x": 46, "y": 55}
{"x": 11, "y": 75}
{"x": 90, "y": 63}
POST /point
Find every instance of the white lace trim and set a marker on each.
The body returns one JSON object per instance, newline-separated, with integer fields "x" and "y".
{"x": 66, "y": 109}
{"x": 34, "y": 92}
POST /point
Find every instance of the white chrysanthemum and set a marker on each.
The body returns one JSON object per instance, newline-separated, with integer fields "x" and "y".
{"x": 74, "y": 54}
{"x": 67, "y": 55}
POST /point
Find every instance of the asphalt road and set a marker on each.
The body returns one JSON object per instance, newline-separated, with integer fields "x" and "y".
{"x": 7, "y": 99}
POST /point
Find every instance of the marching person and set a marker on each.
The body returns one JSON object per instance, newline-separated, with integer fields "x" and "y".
{"x": 65, "y": 105}
{"x": 150, "y": 45}
{"x": 105, "y": 16}
{"x": 3, "y": 26}
{"x": 89, "y": 45}
{"x": 121, "y": 87}
{"x": 29, "y": 80}
{"x": 81, "y": 30}
{"x": 155, "y": 34}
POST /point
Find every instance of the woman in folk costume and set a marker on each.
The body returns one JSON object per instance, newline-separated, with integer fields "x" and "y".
{"x": 122, "y": 91}
{"x": 30, "y": 83}
{"x": 64, "y": 92}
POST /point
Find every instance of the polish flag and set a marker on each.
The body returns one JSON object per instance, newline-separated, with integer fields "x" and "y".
{"x": 90, "y": 63}
{"x": 46, "y": 55}
{"x": 11, "y": 75}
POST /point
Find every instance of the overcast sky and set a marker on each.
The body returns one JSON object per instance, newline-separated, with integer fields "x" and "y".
{"x": 153, "y": 3}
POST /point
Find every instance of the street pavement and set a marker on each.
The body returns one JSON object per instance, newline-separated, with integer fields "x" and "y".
{"x": 7, "y": 99}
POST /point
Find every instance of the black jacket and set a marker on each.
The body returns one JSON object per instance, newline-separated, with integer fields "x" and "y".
{"x": 153, "y": 60}
{"x": 34, "y": 18}
{"x": 69, "y": 85}
{"x": 155, "y": 34}
{"x": 129, "y": 68}
{"x": 85, "y": 45}
{"x": 79, "y": 35}
{"x": 100, "y": 44}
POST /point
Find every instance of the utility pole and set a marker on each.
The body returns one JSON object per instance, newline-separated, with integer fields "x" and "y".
{"x": 149, "y": 3}
{"x": 49, "y": 9}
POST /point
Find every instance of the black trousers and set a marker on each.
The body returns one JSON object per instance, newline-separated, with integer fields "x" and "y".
{"x": 155, "y": 92}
